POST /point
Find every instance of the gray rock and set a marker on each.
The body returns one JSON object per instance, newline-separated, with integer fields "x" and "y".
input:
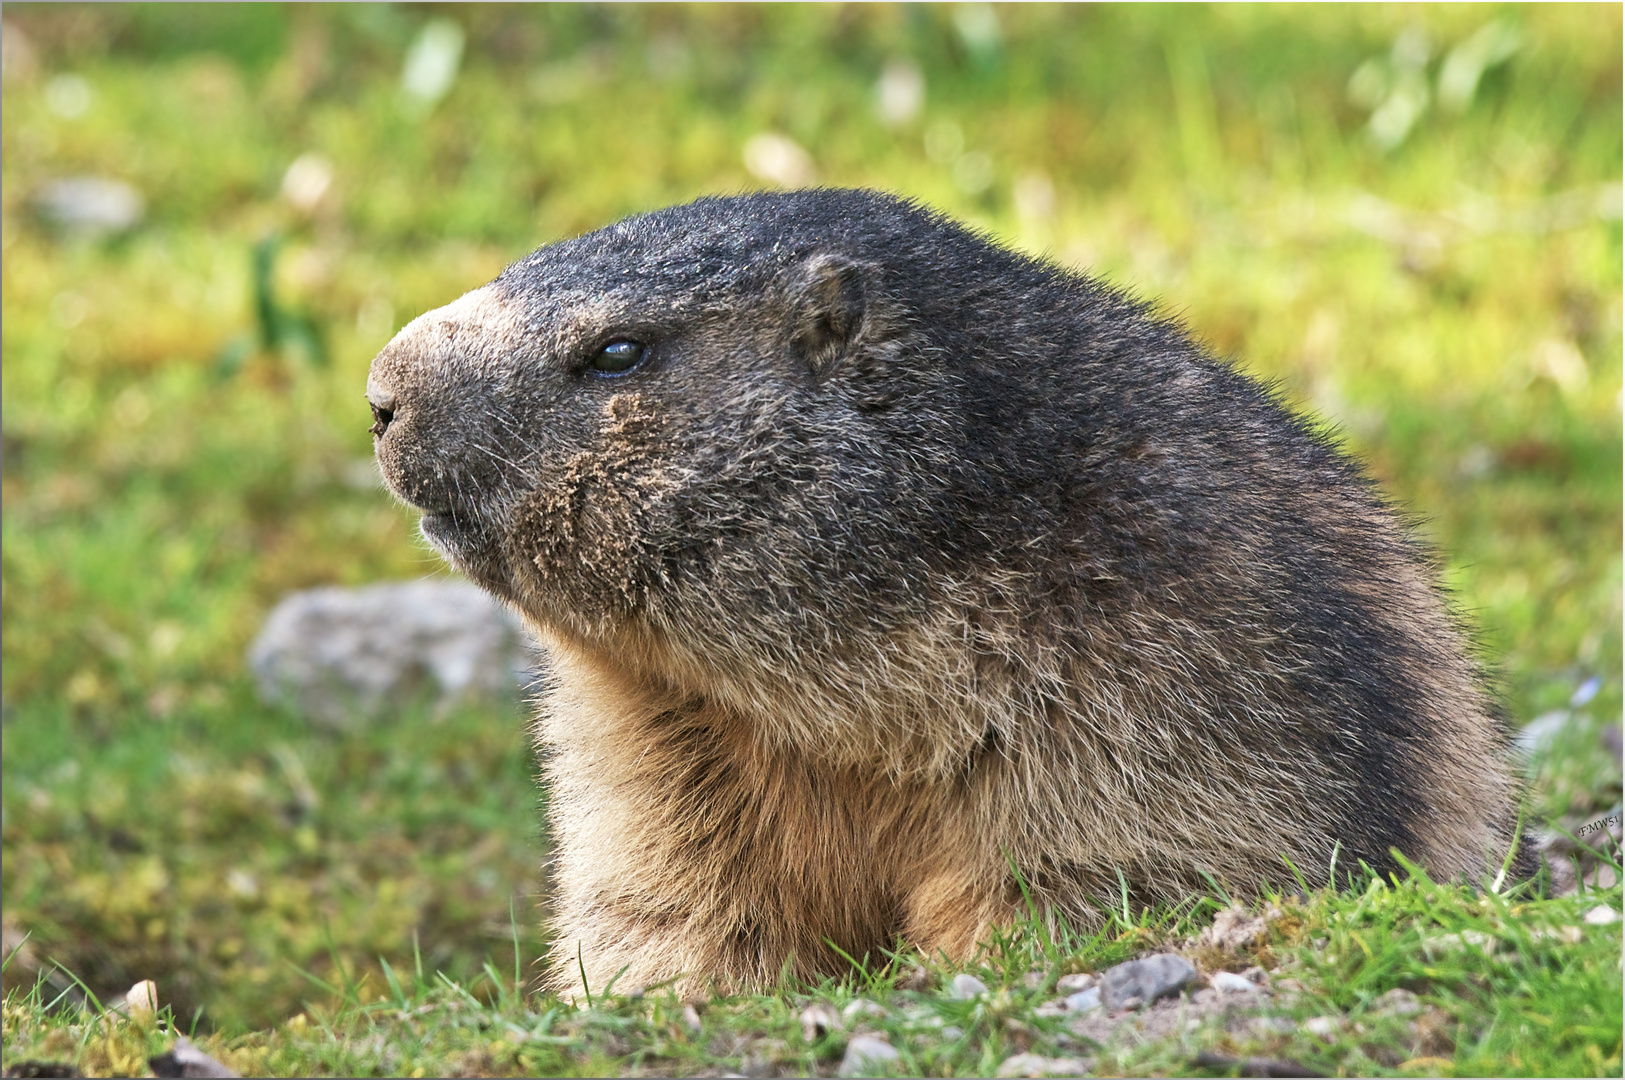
{"x": 966, "y": 986}
{"x": 1147, "y": 980}
{"x": 1072, "y": 984}
{"x": 339, "y": 655}
{"x": 867, "y": 1055}
{"x": 90, "y": 205}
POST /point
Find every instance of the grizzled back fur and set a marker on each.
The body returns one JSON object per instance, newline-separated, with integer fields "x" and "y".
{"x": 897, "y": 560}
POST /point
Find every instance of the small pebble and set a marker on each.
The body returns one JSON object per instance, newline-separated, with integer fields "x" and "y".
{"x": 861, "y": 1007}
{"x": 90, "y": 205}
{"x": 1130, "y": 1003}
{"x": 1234, "y": 928}
{"x": 1148, "y": 979}
{"x": 1051, "y": 1009}
{"x": 1022, "y": 1065}
{"x": 965, "y": 987}
{"x": 1601, "y": 915}
{"x": 1071, "y": 984}
{"x": 1272, "y": 1025}
{"x": 763, "y": 1055}
{"x": 1542, "y": 731}
{"x": 922, "y": 1014}
{"x": 184, "y": 1059}
{"x": 915, "y": 978}
{"x": 1569, "y": 935}
{"x": 1324, "y": 1027}
{"x": 1398, "y": 1002}
{"x": 142, "y": 999}
{"x": 1084, "y": 1000}
{"x": 818, "y": 1020}
{"x": 1484, "y": 943}
{"x": 1229, "y": 982}
{"x": 867, "y": 1054}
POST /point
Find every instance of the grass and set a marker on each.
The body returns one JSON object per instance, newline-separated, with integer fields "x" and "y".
{"x": 171, "y": 467}
{"x": 224, "y": 861}
{"x": 1505, "y": 985}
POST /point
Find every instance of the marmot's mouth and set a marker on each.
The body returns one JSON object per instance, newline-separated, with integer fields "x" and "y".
{"x": 446, "y": 529}
{"x": 470, "y": 547}
{"x": 455, "y": 535}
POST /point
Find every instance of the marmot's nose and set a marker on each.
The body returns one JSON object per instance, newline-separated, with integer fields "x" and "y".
{"x": 382, "y": 400}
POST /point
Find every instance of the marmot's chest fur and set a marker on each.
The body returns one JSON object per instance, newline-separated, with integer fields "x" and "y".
{"x": 879, "y": 565}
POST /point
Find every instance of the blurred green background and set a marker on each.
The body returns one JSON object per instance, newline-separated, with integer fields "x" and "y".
{"x": 1408, "y": 216}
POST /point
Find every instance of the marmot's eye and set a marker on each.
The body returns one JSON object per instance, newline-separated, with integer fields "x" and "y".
{"x": 618, "y": 357}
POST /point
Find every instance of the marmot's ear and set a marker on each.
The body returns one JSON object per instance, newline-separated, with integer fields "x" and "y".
{"x": 830, "y": 297}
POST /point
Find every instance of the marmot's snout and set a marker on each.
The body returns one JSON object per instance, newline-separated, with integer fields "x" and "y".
{"x": 404, "y": 431}
{"x": 429, "y": 394}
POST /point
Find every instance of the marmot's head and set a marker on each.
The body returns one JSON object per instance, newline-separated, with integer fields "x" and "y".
{"x": 737, "y": 403}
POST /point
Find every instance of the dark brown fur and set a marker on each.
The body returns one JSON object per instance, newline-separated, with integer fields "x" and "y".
{"x": 902, "y": 560}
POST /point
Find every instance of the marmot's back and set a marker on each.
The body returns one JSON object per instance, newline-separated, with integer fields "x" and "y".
{"x": 871, "y": 553}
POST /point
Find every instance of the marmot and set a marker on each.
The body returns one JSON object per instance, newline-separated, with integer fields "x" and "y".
{"x": 887, "y": 574}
